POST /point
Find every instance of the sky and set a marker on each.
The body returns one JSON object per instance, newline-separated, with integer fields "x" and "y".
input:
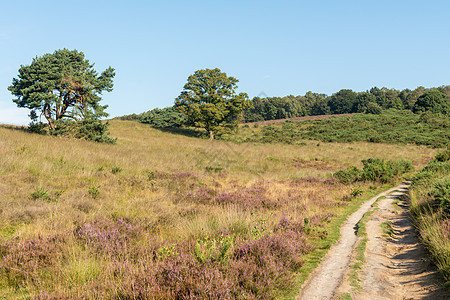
{"x": 274, "y": 48}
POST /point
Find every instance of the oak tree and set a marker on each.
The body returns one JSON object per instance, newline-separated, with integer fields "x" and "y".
{"x": 209, "y": 101}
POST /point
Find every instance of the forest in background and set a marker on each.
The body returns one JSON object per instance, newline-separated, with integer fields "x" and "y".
{"x": 373, "y": 101}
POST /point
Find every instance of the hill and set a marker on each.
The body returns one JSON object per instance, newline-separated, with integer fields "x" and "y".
{"x": 165, "y": 215}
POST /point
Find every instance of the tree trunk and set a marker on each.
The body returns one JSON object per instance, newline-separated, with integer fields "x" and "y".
{"x": 48, "y": 116}
{"x": 211, "y": 135}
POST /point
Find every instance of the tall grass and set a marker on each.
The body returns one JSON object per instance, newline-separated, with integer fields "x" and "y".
{"x": 430, "y": 208}
{"x": 161, "y": 215}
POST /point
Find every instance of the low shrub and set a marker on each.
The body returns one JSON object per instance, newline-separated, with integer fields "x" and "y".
{"x": 375, "y": 170}
{"x": 163, "y": 118}
{"x": 348, "y": 176}
{"x": 88, "y": 129}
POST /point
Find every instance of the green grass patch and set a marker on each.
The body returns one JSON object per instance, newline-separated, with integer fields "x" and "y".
{"x": 345, "y": 296}
{"x": 8, "y": 231}
{"x": 360, "y": 249}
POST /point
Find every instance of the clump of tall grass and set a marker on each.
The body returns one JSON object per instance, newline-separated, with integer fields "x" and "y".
{"x": 430, "y": 208}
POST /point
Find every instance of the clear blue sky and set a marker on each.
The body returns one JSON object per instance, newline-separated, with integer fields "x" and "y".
{"x": 276, "y": 47}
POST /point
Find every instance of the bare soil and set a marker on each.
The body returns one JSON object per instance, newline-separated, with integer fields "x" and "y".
{"x": 396, "y": 266}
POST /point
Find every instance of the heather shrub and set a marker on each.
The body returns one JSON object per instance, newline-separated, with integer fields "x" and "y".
{"x": 25, "y": 262}
{"x": 262, "y": 265}
{"x": 105, "y": 236}
{"x": 248, "y": 198}
{"x": 183, "y": 277}
{"x": 320, "y": 219}
{"x": 202, "y": 195}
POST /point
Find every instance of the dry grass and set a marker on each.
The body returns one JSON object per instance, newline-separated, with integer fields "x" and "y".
{"x": 178, "y": 188}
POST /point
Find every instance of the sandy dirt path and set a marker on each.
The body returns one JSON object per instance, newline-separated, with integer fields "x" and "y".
{"x": 325, "y": 280}
{"x": 397, "y": 265}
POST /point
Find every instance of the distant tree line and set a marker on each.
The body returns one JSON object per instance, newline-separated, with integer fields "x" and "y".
{"x": 347, "y": 101}
{"x": 374, "y": 101}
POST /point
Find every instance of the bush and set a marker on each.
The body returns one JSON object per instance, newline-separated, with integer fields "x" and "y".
{"x": 377, "y": 170}
{"x": 37, "y": 127}
{"x": 374, "y": 170}
{"x": 401, "y": 166}
{"x": 89, "y": 129}
{"x": 348, "y": 176}
{"x": 163, "y": 118}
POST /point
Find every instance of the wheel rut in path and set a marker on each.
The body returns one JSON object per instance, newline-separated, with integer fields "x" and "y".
{"x": 397, "y": 265}
{"x": 325, "y": 280}
{"x": 330, "y": 280}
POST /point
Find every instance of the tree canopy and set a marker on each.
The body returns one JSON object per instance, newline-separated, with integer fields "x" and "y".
{"x": 62, "y": 85}
{"x": 348, "y": 101}
{"x": 434, "y": 101}
{"x": 209, "y": 101}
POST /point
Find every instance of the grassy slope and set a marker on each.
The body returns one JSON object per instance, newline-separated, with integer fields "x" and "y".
{"x": 393, "y": 127}
{"x": 73, "y": 172}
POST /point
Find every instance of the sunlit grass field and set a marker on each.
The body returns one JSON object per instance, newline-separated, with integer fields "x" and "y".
{"x": 163, "y": 215}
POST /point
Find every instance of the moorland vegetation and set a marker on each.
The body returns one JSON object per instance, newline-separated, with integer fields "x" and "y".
{"x": 163, "y": 215}
{"x": 391, "y": 126}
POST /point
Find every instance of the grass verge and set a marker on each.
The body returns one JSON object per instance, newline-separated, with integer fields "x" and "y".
{"x": 430, "y": 210}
